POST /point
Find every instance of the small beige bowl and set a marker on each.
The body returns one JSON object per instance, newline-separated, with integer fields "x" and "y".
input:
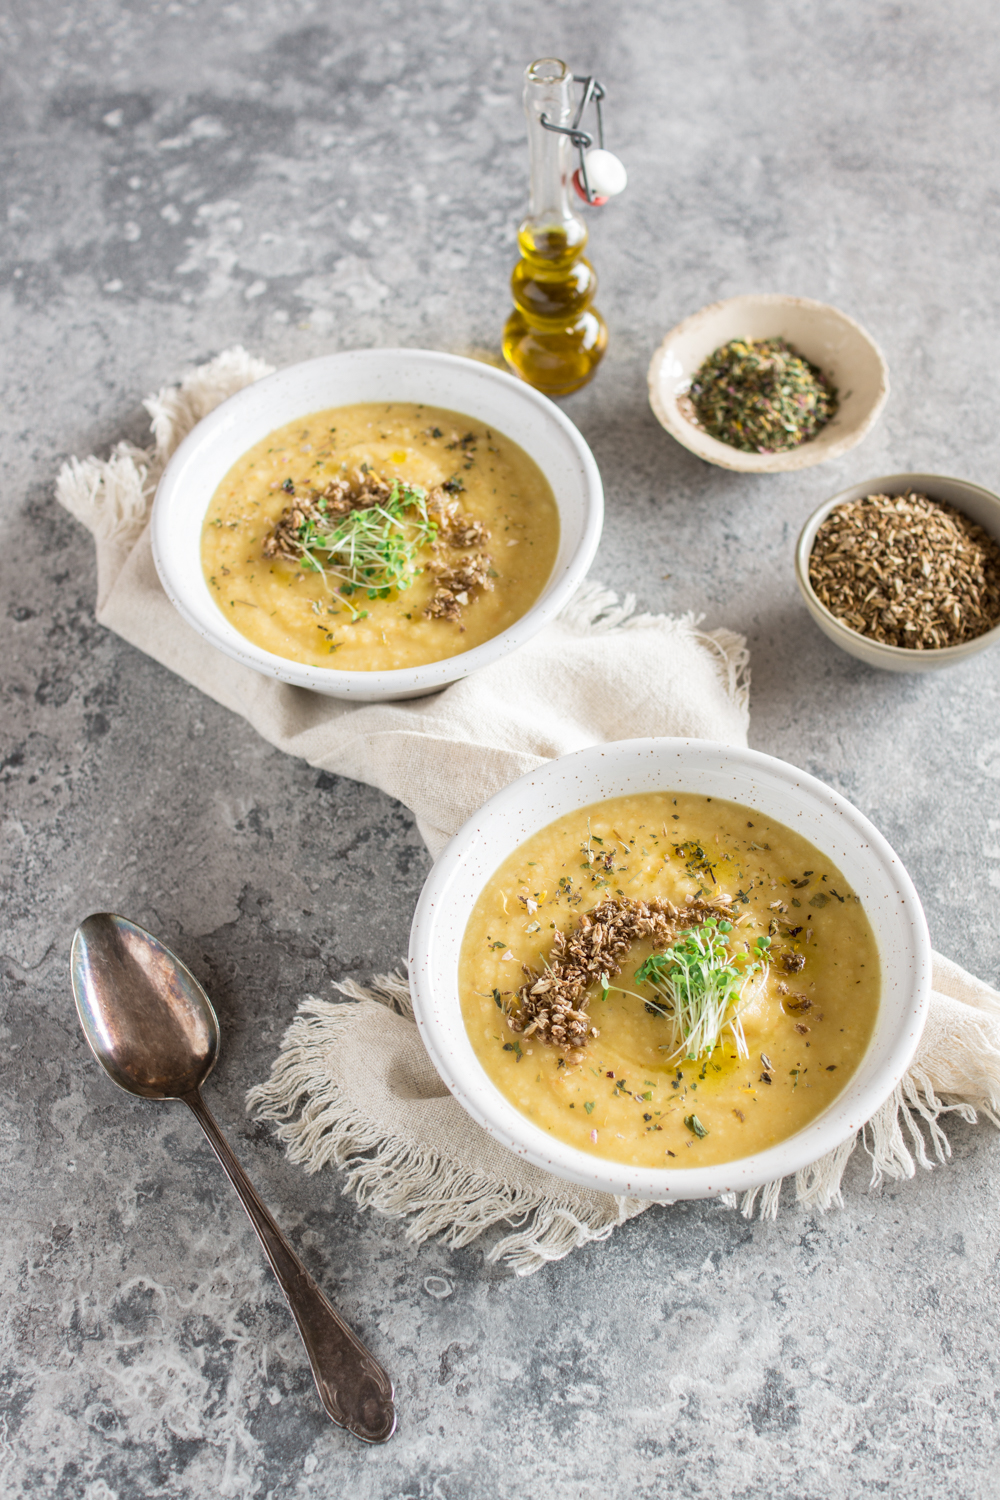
{"x": 828, "y": 338}
{"x": 980, "y": 505}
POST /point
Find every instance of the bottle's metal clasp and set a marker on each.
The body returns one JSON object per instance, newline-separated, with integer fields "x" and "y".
{"x": 610, "y": 170}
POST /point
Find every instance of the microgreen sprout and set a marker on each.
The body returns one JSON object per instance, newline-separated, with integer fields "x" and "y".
{"x": 702, "y": 987}
{"x": 372, "y": 549}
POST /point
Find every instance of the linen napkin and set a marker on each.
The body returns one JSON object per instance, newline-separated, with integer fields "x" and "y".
{"x": 352, "y": 1083}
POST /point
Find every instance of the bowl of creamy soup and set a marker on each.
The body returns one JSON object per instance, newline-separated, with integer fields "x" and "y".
{"x": 670, "y": 968}
{"x": 377, "y": 523}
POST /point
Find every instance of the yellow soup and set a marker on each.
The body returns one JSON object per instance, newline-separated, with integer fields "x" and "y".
{"x": 494, "y": 510}
{"x": 791, "y": 927}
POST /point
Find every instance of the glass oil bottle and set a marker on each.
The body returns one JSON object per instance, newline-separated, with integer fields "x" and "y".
{"x": 554, "y": 339}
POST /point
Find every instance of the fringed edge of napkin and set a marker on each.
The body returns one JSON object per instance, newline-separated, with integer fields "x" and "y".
{"x": 112, "y": 496}
{"x": 820, "y": 1185}
{"x": 437, "y": 1194}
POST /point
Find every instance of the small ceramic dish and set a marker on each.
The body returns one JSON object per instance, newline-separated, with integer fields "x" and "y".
{"x": 774, "y": 789}
{"x": 829, "y": 339}
{"x": 980, "y": 505}
{"x": 476, "y": 390}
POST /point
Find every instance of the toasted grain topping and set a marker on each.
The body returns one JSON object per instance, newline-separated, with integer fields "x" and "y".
{"x": 552, "y": 1006}
{"x": 321, "y": 506}
{"x": 798, "y": 1003}
{"x": 455, "y": 582}
{"x": 907, "y": 571}
{"x": 314, "y": 528}
{"x": 463, "y": 532}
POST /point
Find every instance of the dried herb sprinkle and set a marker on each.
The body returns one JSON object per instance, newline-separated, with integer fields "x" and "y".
{"x": 761, "y": 396}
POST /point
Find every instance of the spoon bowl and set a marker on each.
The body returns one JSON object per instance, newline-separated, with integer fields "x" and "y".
{"x": 152, "y": 1028}
{"x": 160, "y": 1038}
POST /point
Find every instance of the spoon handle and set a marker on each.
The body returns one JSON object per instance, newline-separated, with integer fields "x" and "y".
{"x": 353, "y": 1387}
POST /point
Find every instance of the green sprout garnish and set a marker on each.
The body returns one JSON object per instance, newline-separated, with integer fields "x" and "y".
{"x": 702, "y": 988}
{"x": 373, "y": 549}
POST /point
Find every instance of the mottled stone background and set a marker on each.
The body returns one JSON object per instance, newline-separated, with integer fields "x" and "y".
{"x": 304, "y": 177}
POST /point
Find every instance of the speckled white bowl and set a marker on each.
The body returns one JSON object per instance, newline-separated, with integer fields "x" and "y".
{"x": 978, "y": 504}
{"x": 476, "y": 390}
{"x": 830, "y": 339}
{"x": 774, "y": 789}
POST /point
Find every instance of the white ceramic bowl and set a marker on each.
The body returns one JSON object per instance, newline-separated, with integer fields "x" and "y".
{"x": 829, "y": 339}
{"x": 978, "y": 504}
{"x": 774, "y": 789}
{"x": 476, "y": 390}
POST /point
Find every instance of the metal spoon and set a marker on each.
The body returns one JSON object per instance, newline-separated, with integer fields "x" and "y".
{"x": 150, "y": 1024}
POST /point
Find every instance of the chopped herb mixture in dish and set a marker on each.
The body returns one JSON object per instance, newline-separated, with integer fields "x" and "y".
{"x": 375, "y": 537}
{"x": 669, "y": 980}
{"x": 761, "y": 396}
{"x": 907, "y": 571}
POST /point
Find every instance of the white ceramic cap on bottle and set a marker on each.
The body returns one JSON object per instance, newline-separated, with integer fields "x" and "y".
{"x": 605, "y": 173}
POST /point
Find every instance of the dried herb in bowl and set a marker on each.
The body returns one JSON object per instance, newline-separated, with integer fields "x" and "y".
{"x": 761, "y": 396}
{"x": 907, "y": 571}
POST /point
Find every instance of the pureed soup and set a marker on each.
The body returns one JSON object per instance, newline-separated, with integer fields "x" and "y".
{"x": 669, "y": 980}
{"x": 374, "y": 537}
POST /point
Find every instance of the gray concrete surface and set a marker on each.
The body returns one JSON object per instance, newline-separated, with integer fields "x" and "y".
{"x": 304, "y": 177}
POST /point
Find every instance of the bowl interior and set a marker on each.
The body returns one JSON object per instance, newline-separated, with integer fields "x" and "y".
{"x": 759, "y": 781}
{"x": 827, "y": 337}
{"x": 476, "y": 390}
{"x": 979, "y": 504}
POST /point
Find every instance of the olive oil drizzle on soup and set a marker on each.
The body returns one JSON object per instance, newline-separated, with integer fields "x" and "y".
{"x": 626, "y": 1095}
{"x": 298, "y": 614}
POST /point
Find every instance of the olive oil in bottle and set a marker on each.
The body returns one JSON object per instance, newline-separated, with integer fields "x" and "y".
{"x": 554, "y": 339}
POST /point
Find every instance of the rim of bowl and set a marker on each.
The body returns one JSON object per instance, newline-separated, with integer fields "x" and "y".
{"x": 841, "y": 633}
{"x": 400, "y": 681}
{"x": 722, "y": 455}
{"x": 482, "y": 1100}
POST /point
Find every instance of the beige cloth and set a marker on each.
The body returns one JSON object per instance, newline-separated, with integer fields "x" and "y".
{"x": 353, "y": 1085}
